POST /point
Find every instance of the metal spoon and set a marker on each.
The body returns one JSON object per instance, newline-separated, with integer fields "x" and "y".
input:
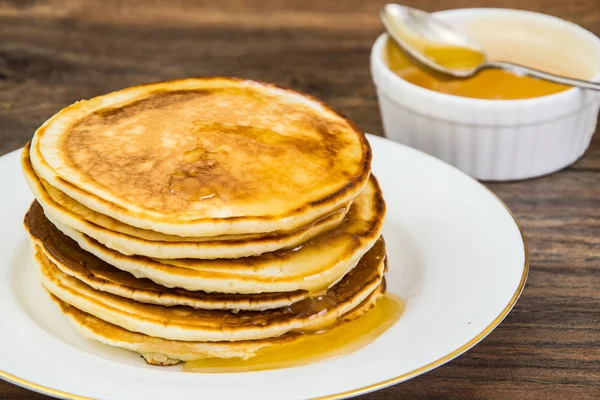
{"x": 411, "y": 28}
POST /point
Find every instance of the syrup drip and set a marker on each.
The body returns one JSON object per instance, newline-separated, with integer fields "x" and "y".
{"x": 185, "y": 183}
{"x": 316, "y": 306}
{"x": 191, "y": 189}
{"x": 345, "y": 339}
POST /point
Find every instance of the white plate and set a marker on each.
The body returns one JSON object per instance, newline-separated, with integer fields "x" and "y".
{"x": 457, "y": 255}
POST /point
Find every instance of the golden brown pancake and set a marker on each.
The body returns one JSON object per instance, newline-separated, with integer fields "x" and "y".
{"x": 314, "y": 266}
{"x": 189, "y": 324}
{"x": 168, "y": 352}
{"x": 72, "y": 260}
{"x": 62, "y": 210}
{"x": 204, "y": 157}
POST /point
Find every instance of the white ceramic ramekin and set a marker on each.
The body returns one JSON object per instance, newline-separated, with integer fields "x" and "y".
{"x": 491, "y": 139}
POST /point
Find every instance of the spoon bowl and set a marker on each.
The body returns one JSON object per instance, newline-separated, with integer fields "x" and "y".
{"x": 415, "y": 31}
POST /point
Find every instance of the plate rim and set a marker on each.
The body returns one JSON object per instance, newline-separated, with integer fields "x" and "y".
{"x": 378, "y": 385}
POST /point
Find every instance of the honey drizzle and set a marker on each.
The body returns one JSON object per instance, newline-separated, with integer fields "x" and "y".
{"x": 329, "y": 344}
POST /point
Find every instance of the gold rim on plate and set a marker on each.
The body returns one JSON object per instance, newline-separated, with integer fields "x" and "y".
{"x": 370, "y": 388}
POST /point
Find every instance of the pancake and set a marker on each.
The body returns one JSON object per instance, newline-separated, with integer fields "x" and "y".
{"x": 62, "y": 210}
{"x": 204, "y": 157}
{"x": 168, "y": 352}
{"x": 101, "y": 276}
{"x": 60, "y": 204}
{"x": 188, "y": 324}
{"x": 71, "y": 260}
{"x": 312, "y": 267}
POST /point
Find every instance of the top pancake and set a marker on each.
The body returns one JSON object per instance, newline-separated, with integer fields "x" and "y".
{"x": 204, "y": 157}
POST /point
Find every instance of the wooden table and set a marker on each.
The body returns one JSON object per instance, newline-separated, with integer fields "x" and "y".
{"x": 54, "y": 52}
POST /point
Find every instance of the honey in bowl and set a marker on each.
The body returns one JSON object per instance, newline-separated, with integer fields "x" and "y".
{"x": 492, "y": 84}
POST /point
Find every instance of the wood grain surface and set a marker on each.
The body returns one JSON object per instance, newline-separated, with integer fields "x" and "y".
{"x": 55, "y": 52}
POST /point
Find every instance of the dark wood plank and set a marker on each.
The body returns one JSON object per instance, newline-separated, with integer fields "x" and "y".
{"x": 54, "y": 52}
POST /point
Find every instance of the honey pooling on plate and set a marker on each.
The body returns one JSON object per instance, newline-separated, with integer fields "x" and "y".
{"x": 346, "y": 338}
{"x": 491, "y": 84}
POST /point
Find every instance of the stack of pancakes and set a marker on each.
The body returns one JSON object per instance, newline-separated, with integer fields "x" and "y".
{"x": 204, "y": 218}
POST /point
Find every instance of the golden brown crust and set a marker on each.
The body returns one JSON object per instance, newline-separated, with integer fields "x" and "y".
{"x": 70, "y": 259}
{"x": 184, "y": 322}
{"x": 312, "y": 178}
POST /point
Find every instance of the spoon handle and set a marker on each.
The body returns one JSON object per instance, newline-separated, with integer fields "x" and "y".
{"x": 535, "y": 73}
